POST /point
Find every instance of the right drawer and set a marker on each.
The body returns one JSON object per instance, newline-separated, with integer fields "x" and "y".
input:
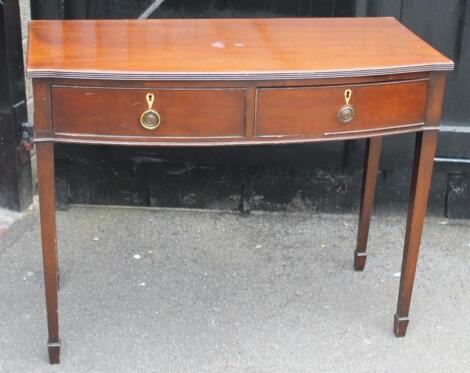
{"x": 304, "y": 111}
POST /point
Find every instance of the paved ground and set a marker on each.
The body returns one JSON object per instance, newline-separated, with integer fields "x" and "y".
{"x": 7, "y": 218}
{"x": 178, "y": 291}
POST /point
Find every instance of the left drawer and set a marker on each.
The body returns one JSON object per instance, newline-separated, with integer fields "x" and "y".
{"x": 184, "y": 113}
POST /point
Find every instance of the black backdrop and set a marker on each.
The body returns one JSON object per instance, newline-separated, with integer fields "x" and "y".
{"x": 319, "y": 177}
{"x": 15, "y": 165}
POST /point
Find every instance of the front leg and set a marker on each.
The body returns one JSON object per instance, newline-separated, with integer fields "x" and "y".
{"x": 46, "y": 183}
{"x": 425, "y": 149}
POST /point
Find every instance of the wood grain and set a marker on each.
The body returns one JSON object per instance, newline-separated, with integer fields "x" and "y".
{"x": 227, "y": 49}
{"x": 184, "y": 112}
{"x": 235, "y": 82}
{"x": 220, "y": 114}
{"x": 425, "y": 151}
{"x": 46, "y": 184}
{"x": 310, "y": 110}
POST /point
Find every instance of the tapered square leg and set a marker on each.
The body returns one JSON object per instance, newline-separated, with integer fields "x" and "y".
{"x": 425, "y": 149}
{"x": 54, "y": 352}
{"x": 45, "y": 160}
{"x": 360, "y": 259}
{"x": 399, "y": 325}
{"x": 369, "y": 180}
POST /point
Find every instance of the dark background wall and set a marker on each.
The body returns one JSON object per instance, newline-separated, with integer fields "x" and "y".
{"x": 15, "y": 165}
{"x": 319, "y": 177}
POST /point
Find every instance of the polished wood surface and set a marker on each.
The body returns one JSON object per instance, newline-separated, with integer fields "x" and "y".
{"x": 313, "y": 110}
{"x": 220, "y": 114}
{"x": 46, "y": 183}
{"x": 425, "y": 150}
{"x": 225, "y": 49}
{"x": 185, "y": 112}
{"x": 231, "y": 113}
{"x": 236, "y": 82}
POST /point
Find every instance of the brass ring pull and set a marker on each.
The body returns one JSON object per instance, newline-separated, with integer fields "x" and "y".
{"x": 150, "y": 119}
{"x": 347, "y": 112}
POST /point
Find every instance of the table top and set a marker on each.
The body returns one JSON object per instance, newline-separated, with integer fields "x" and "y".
{"x": 227, "y": 49}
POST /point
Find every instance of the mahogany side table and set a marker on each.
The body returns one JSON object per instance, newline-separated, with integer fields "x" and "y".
{"x": 236, "y": 82}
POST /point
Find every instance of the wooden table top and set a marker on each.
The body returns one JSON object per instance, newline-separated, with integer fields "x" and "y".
{"x": 227, "y": 49}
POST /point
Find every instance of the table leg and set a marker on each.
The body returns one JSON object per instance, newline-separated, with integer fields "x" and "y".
{"x": 46, "y": 182}
{"x": 425, "y": 150}
{"x": 369, "y": 178}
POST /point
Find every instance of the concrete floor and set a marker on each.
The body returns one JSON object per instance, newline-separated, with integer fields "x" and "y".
{"x": 179, "y": 291}
{"x": 7, "y": 218}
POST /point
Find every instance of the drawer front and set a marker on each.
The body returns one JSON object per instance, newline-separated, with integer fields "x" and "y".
{"x": 192, "y": 113}
{"x": 304, "y": 111}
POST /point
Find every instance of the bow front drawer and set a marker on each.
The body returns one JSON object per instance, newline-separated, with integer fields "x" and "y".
{"x": 147, "y": 112}
{"x": 331, "y": 110}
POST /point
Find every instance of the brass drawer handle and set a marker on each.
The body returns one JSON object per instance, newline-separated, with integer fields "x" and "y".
{"x": 347, "y": 112}
{"x": 150, "y": 119}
